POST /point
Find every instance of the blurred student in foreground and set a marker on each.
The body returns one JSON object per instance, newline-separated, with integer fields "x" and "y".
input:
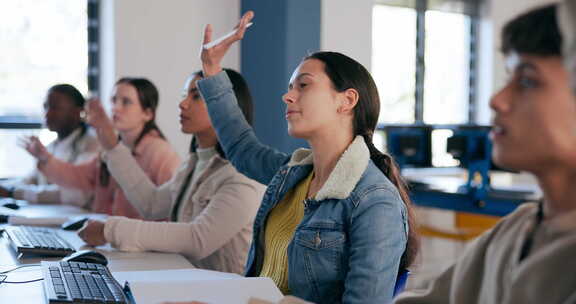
{"x": 529, "y": 257}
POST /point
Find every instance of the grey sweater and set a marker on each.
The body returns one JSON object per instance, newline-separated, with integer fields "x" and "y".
{"x": 490, "y": 271}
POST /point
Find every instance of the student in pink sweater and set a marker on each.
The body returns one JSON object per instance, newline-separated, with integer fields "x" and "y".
{"x": 133, "y": 114}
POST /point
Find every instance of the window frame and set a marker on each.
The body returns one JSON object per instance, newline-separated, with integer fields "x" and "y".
{"x": 93, "y": 71}
{"x": 421, "y": 7}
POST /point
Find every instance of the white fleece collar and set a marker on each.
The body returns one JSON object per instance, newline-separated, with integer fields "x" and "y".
{"x": 346, "y": 173}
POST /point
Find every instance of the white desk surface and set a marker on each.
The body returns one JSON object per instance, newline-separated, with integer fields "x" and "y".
{"x": 117, "y": 260}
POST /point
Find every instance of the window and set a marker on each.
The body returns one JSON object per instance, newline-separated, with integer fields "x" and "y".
{"x": 447, "y": 68}
{"x": 424, "y": 60}
{"x": 44, "y": 43}
{"x": 393, "y": 62}
{"x": 423, "y": 63}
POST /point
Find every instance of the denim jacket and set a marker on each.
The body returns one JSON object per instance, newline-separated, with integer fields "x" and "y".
{"x": 347, "y": 248}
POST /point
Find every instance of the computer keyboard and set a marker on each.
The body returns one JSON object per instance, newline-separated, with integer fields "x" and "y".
{"x": 77, "y": 282}
{"x": 38, "y": 241}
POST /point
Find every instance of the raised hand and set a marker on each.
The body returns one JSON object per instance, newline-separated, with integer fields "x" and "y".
{"x": 212, "y": 57}
{"x": 97, "y": 118}
{"x": 33, "y": 145}
{"x": 95, "y": 114}
{"x": 93, "y": 233}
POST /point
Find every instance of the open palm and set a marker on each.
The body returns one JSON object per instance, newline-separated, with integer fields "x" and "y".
{"x": 212, "y": 57}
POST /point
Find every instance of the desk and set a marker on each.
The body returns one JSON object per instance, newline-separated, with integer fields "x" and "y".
{"x": 444, "y": 188}
{"x": 118, "y": 261}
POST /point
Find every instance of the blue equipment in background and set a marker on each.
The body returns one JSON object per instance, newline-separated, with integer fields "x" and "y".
{"x": 411, "y": 147}
{"x": 473, "y": 148}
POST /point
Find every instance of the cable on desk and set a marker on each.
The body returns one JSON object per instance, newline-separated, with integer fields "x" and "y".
{"x": 21, "y": 266}
{"x": 21, "y": 282}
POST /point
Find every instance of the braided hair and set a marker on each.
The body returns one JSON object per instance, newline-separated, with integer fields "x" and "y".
{"x": 345, "y": 73}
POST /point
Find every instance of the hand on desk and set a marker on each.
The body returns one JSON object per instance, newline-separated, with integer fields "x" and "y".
{"x": 93, "y": 233}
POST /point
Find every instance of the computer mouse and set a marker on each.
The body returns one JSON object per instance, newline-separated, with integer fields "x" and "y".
{"x": 74, "y": 224}
{"x": 87, "y": 256}
{"x": 13, "y": 206}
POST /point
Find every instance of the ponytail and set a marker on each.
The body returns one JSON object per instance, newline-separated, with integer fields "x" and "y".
{"x": 346, "y": 73}
{"x": 389, "y": 167}
{"x": 148, "y": 127}
{"x": 148, "y": 97}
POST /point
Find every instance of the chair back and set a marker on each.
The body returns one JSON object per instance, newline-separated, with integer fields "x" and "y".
{"x": 401, "y": 281}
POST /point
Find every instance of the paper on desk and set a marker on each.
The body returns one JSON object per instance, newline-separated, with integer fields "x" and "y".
{"x": 226, "y": 291}
{"x": 285, "y": 300}
{"x": 198, "y": 285}
{"x": 172, "y": 275}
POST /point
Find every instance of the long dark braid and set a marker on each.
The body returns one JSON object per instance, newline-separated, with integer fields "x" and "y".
{"x": 345, "y": 73}
{"x": 388, "y": 166}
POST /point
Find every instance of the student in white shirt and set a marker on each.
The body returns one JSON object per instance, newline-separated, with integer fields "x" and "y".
{"x": 76, "y": 143}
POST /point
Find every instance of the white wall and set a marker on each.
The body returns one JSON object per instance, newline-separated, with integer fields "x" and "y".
{"x": 161, "y": 40}
{"x": 346, "y": 27}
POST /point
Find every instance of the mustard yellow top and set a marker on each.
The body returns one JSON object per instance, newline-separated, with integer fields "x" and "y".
{"x": 280, "y": 227}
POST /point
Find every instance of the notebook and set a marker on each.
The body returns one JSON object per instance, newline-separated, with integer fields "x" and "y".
{"x": 199, "y": 285}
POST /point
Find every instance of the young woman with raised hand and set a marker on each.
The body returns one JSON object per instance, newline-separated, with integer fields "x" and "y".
{"x": 134, "y": 112}
{"x": 335, "y": 222}
{"x": 211, "y": 207}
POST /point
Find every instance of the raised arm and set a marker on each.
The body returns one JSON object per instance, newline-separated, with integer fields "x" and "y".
{"x": 242, "y": 148}
{"x": 235, "y": 203}
{"x": 97, "y": 118}
{"x": 152, "y": 201}
{"x": 59, "y": 172}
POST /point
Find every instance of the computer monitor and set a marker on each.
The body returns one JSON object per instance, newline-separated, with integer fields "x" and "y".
{"x": 410, "y": 145}
{"x": 424, "y": 146}
{"x": 471, "y": 143}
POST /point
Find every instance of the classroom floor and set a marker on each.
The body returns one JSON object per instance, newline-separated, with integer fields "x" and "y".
{"x": 444, "y": 237}
{"x": 435, "y": 256}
